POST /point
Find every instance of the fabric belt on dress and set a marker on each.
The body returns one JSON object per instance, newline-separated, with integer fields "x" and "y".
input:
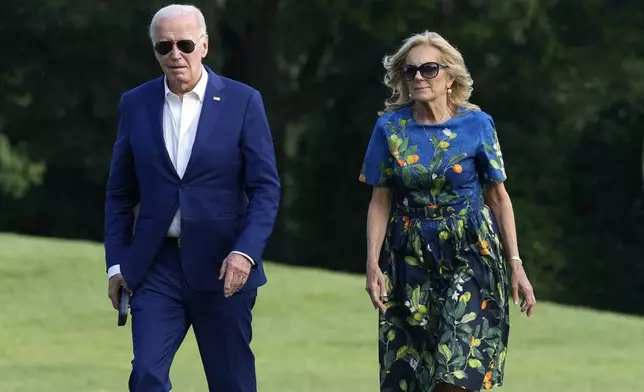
{"x": 172, "y": 241}
{"x": 430, "y": 212}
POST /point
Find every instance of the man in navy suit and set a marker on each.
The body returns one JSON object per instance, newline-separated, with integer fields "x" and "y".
{"x": 195, "y": 155}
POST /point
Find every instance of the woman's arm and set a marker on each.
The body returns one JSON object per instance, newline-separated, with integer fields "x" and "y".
{"x": 497, "y": 198}
{"x": 377, "y": 218}
{"x": 499, "y": 201}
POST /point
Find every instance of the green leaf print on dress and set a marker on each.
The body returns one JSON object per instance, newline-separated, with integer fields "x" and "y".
{"x": 447, "y": 316}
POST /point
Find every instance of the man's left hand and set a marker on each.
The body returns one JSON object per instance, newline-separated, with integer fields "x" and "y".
{"x": 234, "y": 271}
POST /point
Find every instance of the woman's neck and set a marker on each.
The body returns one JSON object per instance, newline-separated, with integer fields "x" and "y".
{"x": 431, "y": 113}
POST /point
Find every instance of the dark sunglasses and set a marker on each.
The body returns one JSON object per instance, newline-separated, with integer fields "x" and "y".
{"x": 164, "y": 47}
{"x": 427, "y": 70}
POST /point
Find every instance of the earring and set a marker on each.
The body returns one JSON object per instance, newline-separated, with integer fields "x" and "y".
{"x": 449, "y": 90}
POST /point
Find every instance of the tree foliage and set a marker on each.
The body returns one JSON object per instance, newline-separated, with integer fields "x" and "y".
{"x": 17, "y": 172}
{"x": 564, "y": 83}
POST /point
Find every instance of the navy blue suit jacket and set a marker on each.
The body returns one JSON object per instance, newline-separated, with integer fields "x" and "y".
{"x": 229, "y": 194}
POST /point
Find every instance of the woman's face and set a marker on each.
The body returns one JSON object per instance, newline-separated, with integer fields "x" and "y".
{"x": 431, "y": 81}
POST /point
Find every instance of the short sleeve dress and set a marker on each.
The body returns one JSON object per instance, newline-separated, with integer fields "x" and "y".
{"x": 447, "y": 316}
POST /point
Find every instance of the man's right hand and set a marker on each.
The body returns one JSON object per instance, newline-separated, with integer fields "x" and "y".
{"x": 113, "y": 286}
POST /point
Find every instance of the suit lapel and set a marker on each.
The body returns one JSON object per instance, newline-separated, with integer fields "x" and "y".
{"x": 213, "y": 102}
{"x": 155, "y": 110}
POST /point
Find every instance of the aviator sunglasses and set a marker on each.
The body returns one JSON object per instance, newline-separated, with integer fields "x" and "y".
{"x": 185, "y": 45}
{"x": 427, "y": 70}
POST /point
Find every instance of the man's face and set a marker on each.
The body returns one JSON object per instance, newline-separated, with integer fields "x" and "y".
{"x": 180, "y": 34}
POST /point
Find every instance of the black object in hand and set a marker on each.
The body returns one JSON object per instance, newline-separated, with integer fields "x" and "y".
{"x": 124, "y": 306}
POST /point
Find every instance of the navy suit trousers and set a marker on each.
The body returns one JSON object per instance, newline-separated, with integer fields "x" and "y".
{"x": 164, "y": 307}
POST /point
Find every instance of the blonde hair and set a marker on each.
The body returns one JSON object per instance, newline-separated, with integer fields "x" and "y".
{"x": 461, "y": 87}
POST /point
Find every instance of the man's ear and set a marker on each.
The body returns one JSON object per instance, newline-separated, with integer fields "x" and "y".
{"x": 205, "y": 47}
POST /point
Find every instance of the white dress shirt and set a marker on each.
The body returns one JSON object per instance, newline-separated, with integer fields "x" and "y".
{"x": 180, "y": 121}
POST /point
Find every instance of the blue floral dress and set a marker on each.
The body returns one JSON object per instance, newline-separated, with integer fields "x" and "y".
{"x": 447, "y": 316}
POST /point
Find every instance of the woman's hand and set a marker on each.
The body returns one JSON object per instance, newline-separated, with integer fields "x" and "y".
{"x": 377, "y": 217}
{"x": 520, "y": 283}
{"x": 376, "y": 286}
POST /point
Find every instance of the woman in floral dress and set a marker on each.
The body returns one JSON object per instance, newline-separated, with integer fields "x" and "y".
{"x": 440, "y": 206}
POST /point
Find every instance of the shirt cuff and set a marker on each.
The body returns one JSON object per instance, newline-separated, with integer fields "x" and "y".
{"x": 113, "y": 270}
{"x": 245, "y": 255}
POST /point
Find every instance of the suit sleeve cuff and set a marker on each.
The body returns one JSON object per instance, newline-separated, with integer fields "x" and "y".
{"x": 113, "y": 270}
{"x": 245, "y": 255}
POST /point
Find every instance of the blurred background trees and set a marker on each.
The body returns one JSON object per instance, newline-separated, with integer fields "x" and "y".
{"x": 564, "y": 82}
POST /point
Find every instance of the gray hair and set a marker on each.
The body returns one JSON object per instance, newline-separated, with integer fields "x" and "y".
{"x": 173, "y": 10}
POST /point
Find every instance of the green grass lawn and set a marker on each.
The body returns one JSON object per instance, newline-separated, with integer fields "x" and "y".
{"x": 313, "y": 331}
